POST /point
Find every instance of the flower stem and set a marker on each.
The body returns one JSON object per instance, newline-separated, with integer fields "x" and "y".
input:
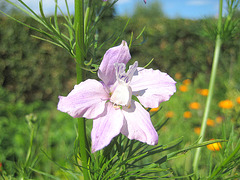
{"x": 29, "y": 148}
{"x": 80, "y": 52}
{"x": 211, "y": 87}
{"x": 79, "y": 37}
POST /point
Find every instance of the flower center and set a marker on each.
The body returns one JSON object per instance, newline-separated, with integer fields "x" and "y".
{"x": 121, "y": 91}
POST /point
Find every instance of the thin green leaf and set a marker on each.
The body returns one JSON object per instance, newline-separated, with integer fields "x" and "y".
{"x": 173, "y": 143}
{"x": 49, "y": 41}
{"x": 35, "y": 29}
{"x": 141, "y": 33}
{"x": 52, "y": 29}
{"x": 21, "y": 22}
{"x": 226, "y": 161}
{"x": 135, "y": 149}
{"x": 68, "y": 19}
{"x": 31, "y": 13}
{"x": 90, "y": 70}
{"x": 193, "y": 147}
{"x": 121, "y": 33}
{"x": 61, "y": 167}
{"x": 55, "y": 16}
{"x": 182, "y": 177}
{"x": 131, "y": 40}
{"x": 149, "y": 63}
{"x": 68, "y": 12}
{"x": 159, "y": 125}
{"x": 150, "y": 152}
{"x": 70, "y": 32}
{"x": 105, "y": 166}
{"x": 88, "y": 63}
{"x": 45, "y": 174}
{"x": 136, "y": 157}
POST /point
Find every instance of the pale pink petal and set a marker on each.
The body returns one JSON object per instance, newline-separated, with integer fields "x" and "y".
{"x": 87, "y": 99}
{"x": 106, "y": 127}
{"x": 118, "y": 54}
{"x": 152, "y": 87}
{"x": 137, "y": 124}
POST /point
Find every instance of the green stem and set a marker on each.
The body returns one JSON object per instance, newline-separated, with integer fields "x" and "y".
{"x": 79, "y": 36}
{"x": 30, "y": 148}
{"x": 211, "y": 88}
{"x": 229, "y": 158}
{"x": 80, "y": 52}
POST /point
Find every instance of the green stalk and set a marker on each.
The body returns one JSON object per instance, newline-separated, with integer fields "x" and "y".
{"x": 79, "y": 37}
{"x": 29, "y": 148}
{"x": 211, "y": 88}
{"x": 80, "y": 50}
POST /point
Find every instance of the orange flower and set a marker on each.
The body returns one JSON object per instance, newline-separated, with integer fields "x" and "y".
{"x": 214, "y": 146}
{"x": 154, "y": 109}
{"x": 187, "y": 114}
{"x": 219, "y": 119}
{"x": 225, "y": 104}
{"x": 178, "y": 76}
{"x": 183, "y": 88}
{"x": 197, "y": 130}
{"x": 187, "y": 82}
{"x": 194, "y": 105}
{"x": 169, "y": 114}
{"x": 238, "y": 100}
{"x": 203, "y": 92}
{"x": 210, "y": 122}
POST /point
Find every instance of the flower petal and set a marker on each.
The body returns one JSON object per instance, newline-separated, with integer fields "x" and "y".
{"x": 106, "y": 127}
{"x": 152, "y": 87}
{"x": 138, "y": 125}
{"x": 87, "y": 99}
{"x": 118, "y": 54}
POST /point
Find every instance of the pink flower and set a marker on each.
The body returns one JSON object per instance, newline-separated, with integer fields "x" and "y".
{"x": 109, "y": 102}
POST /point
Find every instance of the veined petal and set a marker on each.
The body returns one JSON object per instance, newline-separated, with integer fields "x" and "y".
{"x": 152, "y": 87}
{"x": 118, "y": 54}
{"x": 106, "y": 127}
{"x": 137, "y": 124}
{"x": 87, "y": 99}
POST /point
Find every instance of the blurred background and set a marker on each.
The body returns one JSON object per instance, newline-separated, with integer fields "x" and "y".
{"x": 180, "y": 38}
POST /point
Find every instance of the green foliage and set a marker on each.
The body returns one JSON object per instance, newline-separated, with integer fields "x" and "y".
{"x": 230, "y": 159}
{"x": 33, "y": 72}
{"x": 26, "y": 130}
{"x": 222, "y": 124}
{"x": 174, "y": 44}
{"x": 30, "y": 68}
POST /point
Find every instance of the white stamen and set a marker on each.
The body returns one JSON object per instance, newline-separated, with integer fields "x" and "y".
{"x": 121, "y": 91}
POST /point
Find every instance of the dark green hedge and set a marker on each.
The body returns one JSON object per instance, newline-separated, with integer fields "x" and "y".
{"x": 31, "y": 68}
{"x": 37, "y": 70}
